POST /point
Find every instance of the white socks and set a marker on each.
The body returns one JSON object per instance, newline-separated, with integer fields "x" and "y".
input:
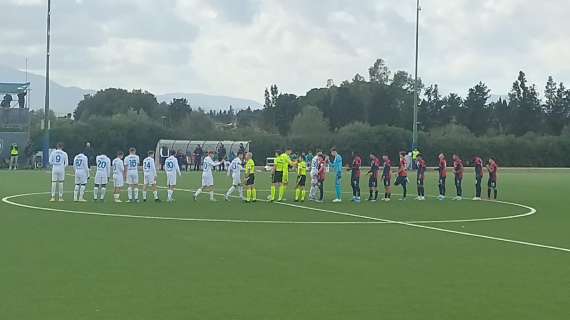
{"x": 102, "y": 195}
{"x": 60, "y": 190}
{"x": 76, "y": 193}
{"x": 212, "y": 195}
{"x": 155, "y": 193}
{"x": 198, "y": 192}
{"x": 136, "y": 193}
{"x": 130, "y": 193}
{"x": 240, "y": 189}
{"x": 95, "y": 193}
{"x": 81, "y": 192}
{"x": 230, "y": 191}
{"x": 144, "y": 194}
{"x": 170, "y": 194}
{"x": 53, "y": 189}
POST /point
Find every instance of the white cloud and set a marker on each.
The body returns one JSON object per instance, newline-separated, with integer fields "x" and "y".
{"x": 238, "y": 47}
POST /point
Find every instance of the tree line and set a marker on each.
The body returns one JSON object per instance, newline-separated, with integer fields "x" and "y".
{"x": 371, "y": 115}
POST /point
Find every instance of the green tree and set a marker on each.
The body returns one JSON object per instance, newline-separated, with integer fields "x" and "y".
{"x": 524, "y": 103}
{"x": 379, "y": 72}
{"x": 310, "y": 129}
{"x": 556, "y": 106}
{"x": 476, "y": 113}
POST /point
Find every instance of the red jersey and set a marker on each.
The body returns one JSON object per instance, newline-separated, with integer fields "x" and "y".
{"x": 387, "y": 173}
{"x": 493, "y": 168}
{"x": 375, "y": 168}
{"x": 421, "y": 169}
{"x": 322, "y": 170}
{"x": 356, "y": 163}
{"x": 442, "y": 168}
{"x": 478, "y": 167}
{"x": 403, "y": 168}
{"x": 458, "y": 168}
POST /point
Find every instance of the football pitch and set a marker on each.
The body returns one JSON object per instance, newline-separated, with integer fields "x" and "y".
{"x": 229, "y": 260}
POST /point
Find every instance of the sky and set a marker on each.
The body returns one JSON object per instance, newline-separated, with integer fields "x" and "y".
{"x": 239, "y": 47}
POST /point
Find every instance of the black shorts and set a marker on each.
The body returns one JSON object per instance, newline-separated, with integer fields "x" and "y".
{"x": 250, "y": 180}
{"x": 373, "y": 182}
{"x": 387, "y": 182}
{"x": 420, "y": 181}
{"x": 301, "y": 181}
{"x": 401, "y": 181}
{"x": 278, "y": 177}
{"x": 492, "y": 183}
{"x": 458, "y": 181}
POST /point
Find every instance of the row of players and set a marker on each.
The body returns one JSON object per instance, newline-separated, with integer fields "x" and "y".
{"x": 126, "y": 169}
{"x": 322, "y": 161}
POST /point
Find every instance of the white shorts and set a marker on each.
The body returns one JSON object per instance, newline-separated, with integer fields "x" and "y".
{"x": 101, "y": 179}
{"x": 132, "y": 177}
{"x": 171, "y": 179}
{"x": 149, "y": 180}
{"x": 236, "y": 180}
{"x": 207, "y": 180}
{"x": 57, "y": 175}
{"x": 80, "y": 178}
{"x": 315, "y": 180}
{"x": 119, "y": 180}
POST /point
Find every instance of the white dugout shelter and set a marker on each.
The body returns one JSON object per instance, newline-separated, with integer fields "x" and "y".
{"x": 187, "y": 147}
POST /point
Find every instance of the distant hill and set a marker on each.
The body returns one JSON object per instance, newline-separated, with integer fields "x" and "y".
{"x": 64, "y": 100}
{"x": 209, "y": 102}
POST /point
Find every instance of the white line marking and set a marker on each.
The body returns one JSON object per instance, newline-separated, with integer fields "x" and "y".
{"x": 91, "y": 213}
{"x": 415, "y": 225}
{"x": 531, "y": 211}
{"x": 373, "y": 220}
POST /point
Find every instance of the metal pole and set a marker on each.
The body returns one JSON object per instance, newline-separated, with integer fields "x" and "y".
{"x": 46, "y": 106}
{"x": 416, "y": 86}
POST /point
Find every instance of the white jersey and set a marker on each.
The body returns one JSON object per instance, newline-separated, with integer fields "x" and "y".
{"x": 132, "y": 162}
{"x": 235, "y": 168}
{"x": 118, "y": 167}
{"x": 208, "y": 165}
{"x": 149, "y": 167}
{"x": 171, "y": 166}
{"x": 81, "y": 166}
{"x": 315, "y": 166}
{"x": 58, "y": 160}
{"x": 103, "y": 166}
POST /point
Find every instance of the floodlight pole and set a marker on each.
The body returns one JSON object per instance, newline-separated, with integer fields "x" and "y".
{"x": 416, "y": 85}
{"x": 46, "y": 106}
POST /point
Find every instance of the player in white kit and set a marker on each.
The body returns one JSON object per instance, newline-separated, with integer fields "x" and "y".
{"x": 132, "y": 174}
{"x": 118, "y": 176}
{"x": 172, "y": 172}
{"x": 58, "y": 161}
{"x": 101, "y": 176}
{"x": 235, "y": 169}
{"x": 314, "y": 177}
{"x": 149, "y": 176}
{"x": 81, "y": 166}
{"x": 207, "y": 176}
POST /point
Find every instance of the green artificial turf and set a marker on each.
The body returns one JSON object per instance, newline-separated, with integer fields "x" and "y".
{"x": 70, "y": 265}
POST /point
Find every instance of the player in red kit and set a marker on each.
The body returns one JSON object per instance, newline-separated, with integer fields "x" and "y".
{"x": 387, "y": 178}
{"x": 421, "y": 168}
{"x": 478, "y": 163}
{"x": 442, "y": 168}
{"x": 322, "y": 173}
{"x": 355, "y": 177}
{"x": 492, "y": 184}
{"x": 373, "y": 178}
{"x": 402, "y": 178}
{"x": 458, "y": 170}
